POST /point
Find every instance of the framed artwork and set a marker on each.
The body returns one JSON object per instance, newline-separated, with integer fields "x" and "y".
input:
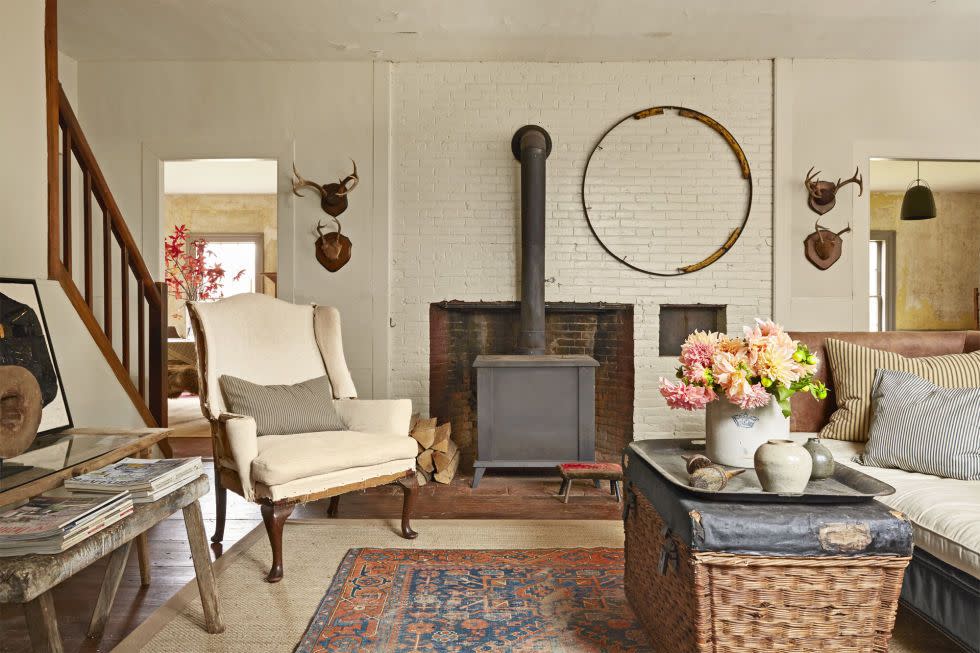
{"x": 25, "y": 341}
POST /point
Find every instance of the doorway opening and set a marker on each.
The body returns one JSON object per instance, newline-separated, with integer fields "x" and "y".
{"x": 924, "y": 273}
{"x": 220, "y": 227}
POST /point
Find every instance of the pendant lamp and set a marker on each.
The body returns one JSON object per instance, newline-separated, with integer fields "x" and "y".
{"x": 918, "y": 203}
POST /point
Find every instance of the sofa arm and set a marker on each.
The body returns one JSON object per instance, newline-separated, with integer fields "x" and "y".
{"x": 382, "y": 416}
{"x": 240, "y": 439}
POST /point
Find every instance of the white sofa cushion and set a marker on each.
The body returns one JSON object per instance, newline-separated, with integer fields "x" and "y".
{"x": 945, "y": 513}
{"x": 285, "y": 458}
{"x": 355, "y": 476}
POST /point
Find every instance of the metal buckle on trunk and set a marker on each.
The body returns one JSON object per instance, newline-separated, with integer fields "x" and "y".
{"x": 669, "y": 554}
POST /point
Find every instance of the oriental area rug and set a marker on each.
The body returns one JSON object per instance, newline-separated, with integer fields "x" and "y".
{"x": 321, "y": 555}
{"x": 523, "y": 600}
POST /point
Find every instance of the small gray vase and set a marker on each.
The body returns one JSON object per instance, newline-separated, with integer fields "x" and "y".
{"x": 823, "y": 460}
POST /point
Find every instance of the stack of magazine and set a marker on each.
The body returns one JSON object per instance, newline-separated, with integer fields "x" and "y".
{"x": 51, "y": 523}
{"x": 145, "y": 480}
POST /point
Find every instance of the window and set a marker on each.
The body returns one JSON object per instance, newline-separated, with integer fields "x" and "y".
{"x": 881, "y": 281}
{"x": 236, "y": 253}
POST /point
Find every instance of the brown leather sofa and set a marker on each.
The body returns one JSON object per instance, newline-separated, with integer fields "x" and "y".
{"x": 947, "y": 597}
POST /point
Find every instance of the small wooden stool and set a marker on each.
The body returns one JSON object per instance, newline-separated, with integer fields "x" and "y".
{"x": 595, "y": 472}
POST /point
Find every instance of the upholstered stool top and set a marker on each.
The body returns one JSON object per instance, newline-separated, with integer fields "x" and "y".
{"x": 611, "y": 471}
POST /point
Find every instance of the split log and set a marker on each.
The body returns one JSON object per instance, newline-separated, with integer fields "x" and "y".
{"x": 421, "y": 477}
{"x": 446, "y": 475}
{"x": 425, "y": 432}
{"x": 442, "y": 437}
{"x": 442, "y": 460}
{"x": 413, "y": 421}
{"x": 425, "y": 462}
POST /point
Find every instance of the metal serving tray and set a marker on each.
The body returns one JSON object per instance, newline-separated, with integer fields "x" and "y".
{"x": 847, "y": 485}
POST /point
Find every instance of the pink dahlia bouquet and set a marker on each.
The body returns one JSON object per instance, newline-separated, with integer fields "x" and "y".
{"x": 765, "y": 365}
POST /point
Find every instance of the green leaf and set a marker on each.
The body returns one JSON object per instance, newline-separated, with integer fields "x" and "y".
{"x": 785, "y": 405}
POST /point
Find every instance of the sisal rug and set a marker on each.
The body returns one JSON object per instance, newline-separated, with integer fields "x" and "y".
{"x": 270, "y": 618}
{"x": 452, "y": 600}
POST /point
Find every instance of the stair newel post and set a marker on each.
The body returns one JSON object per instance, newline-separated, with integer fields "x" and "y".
{"x": 158, "y": 355}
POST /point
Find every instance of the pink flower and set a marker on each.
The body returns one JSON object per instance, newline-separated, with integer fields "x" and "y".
{"x": 698, "y": 349}
{"x": 752, "y": 396}
{"x": 696, "y": 373}
{"x": 686, "y": 397}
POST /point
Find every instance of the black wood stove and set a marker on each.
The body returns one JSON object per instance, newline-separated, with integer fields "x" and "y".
{"x": 534, "y": 410}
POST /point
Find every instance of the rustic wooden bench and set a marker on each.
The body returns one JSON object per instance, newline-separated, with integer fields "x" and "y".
{"x": 30, "y": 579}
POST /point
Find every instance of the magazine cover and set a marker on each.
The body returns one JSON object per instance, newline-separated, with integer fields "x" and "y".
{"x": 132, "y": 472}
{"x": 44, "y": 515}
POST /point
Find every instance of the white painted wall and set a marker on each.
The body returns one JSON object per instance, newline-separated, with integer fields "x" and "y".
{"x": 455, "y": 199}
{"x": 23, "y": 172}
{"x": 94, "y": 396}
{"x": 838, "y": 114}
{"x": 319, "y": 115}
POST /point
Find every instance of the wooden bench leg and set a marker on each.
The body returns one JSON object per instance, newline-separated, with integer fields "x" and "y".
{"x": 143, "y": 553}
{"x": 42, "y": 624}
{"x": 334, "y": 506}
{"x": 565, "y": 482}
{"x": 568, "y": 491}
{"x": 201, "y": 555}
{"x": 110, "y": 583}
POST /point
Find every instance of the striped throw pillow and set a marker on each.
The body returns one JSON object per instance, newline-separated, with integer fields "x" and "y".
{"x": 853, "y": 369}
{"x": 919, "y": 427}
{"x": 306, "y": 407}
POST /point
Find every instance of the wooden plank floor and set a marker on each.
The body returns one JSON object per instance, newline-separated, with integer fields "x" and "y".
{"x": 498, "y": 497}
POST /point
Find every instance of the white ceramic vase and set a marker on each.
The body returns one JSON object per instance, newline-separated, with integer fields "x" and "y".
{"x": 732, "y": 434}
{"x": 783, "y": 466}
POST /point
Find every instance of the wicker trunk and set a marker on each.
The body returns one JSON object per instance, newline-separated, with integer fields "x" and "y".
{"x": 706, "y": 601}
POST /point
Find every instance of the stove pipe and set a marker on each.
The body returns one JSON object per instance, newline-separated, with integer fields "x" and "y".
{"x": 531, "y": 146}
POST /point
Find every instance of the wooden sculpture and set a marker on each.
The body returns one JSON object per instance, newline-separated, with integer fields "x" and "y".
{"x": 20, "y": 410}
{"x": 333, "y": 249}
{"x": 822, "y": 195}
{"x": 823, "y": 247}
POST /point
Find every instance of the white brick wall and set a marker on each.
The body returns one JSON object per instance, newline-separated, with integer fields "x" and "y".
{"x": 455, "y": 199}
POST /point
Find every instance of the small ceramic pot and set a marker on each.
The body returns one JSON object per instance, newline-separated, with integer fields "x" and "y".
{"x": 783, "y": 466}
{"x": 823, "y": 460}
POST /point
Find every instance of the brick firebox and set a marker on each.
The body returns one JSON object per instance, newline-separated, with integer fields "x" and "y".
{"x": 461, "y": 331}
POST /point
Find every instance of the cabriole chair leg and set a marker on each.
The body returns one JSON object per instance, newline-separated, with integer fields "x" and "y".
{"x": 274, "y": 515}
{"x": 410, "y": 487}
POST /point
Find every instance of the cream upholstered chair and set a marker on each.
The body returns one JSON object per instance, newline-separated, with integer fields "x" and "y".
{"x": 269, "y": 341}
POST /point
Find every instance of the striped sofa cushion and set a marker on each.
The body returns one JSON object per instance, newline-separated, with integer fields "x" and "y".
{"x": 853, "y": 369}
{"x": 919, "y": 427}
{"x": 306, "y": 407}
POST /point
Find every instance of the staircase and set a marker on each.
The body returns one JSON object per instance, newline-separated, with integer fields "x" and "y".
{"x": 105, "y": 261}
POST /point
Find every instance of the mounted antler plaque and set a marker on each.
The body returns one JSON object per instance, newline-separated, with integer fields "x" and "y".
{"x": 333, "y": 249}
{"x": 822, "y": 195}
{"x": 823, "y": 247}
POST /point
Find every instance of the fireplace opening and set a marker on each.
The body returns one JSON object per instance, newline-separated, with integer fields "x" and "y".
{"x": 460, "y": 331}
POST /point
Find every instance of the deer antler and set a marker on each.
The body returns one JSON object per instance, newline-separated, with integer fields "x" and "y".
{"x": 844, "y": 230}
{"x": 299, "y": 182}
{"x": 320, "y": 227}
{"x": 856, "y": 179}
{"x": 343, "y": 190}
{"x": 811, "y": 179}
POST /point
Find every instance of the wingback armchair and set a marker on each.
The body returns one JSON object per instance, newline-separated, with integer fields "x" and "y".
{"x": 268, "y": 341}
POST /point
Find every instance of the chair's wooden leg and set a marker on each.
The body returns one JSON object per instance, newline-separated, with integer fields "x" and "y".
{"x": 198, "y": 540}
{"x": 110, "y": 583}
{"x": 42, "y": 624}
{"x": 143, "y": 554}
{"x": 274, "y": 515}
{"x": 334, "y": 506}
{"x": 410, "y": 487}
{"x": 220, "y": 508}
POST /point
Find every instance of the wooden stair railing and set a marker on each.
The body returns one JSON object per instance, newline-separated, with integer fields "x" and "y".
{"x": 147, "y": 384}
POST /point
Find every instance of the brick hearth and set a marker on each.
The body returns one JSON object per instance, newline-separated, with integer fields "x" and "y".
{"x": 461, "y": 331}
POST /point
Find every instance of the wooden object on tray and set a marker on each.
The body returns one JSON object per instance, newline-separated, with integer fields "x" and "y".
{"x": 438, "y": 458}
{"x": 596, "y": 472}
{"x": 30, "y": 579}
{"x": 705, "y": 576}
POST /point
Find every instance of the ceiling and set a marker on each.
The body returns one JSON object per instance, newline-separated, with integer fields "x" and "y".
{"x": 518, "y": 30}
{"x": 220, "y": 177}
{"x": 949, "y": 176}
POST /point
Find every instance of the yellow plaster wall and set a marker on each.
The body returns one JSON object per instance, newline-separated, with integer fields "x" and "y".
{"x": 937, "y": 261}
{"x": 236, "y": 214}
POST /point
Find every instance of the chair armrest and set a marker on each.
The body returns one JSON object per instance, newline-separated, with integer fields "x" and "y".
{"x": 240, "y": 439}
{"x": 382, "y": 416}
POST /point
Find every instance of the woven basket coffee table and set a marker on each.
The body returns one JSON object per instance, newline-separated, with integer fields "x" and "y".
{"x": 719, "y": 577}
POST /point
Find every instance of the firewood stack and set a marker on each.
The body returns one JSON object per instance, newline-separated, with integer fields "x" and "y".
{"x": 438, "y": 457}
